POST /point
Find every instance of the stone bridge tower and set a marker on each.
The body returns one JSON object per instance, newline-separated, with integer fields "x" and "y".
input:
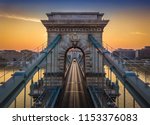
{"x": 74, "y": 27}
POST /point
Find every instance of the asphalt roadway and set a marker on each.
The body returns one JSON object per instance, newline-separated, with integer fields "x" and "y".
{"x": 75, "y": 94}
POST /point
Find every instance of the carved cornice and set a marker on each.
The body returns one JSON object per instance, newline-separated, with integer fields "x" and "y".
{"x": 75, "y": 22}
{"x": 75, "y": 29}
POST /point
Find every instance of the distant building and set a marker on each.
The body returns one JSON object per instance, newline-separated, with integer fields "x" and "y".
{"x": 124, "y": 53}
{"x": 74, "y": 53}
{"x": 15, "y": 58}
{"x": 27, "y": 54}
{"x": 10, "y": 55}
{"x": 143, "y": 53}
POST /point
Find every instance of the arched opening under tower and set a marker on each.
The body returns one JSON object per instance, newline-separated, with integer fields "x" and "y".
{"x": 74, "y": 56}
{"x": 74, "y": 92}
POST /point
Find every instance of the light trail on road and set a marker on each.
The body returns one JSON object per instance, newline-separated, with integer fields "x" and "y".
{"x": 75, "y": 94}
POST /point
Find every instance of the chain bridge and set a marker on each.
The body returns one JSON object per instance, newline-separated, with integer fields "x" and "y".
{"x": 73, "y": 67}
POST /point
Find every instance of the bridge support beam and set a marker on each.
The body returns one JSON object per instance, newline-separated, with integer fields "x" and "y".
{"x": 25, "y": 97}
{"x": 133, "y": 103}
{"x": 117, "y": 83}
{"x": 15, "y": 103}
{"x": 124, "y": 96}
{"x": 46, "y": 71}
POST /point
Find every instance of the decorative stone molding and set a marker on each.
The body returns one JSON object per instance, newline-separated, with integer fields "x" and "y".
{"x": 58, "y": 30}
{"x": 59, "y": 22}
{"x": 81, "y": 23}
{"x": 74, "y": 39}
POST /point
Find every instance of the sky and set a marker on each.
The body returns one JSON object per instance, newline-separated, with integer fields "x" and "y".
{"x": 20, "y": 26}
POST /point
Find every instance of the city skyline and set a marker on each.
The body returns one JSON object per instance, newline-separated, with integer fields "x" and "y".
{"x": 21, "y": 27}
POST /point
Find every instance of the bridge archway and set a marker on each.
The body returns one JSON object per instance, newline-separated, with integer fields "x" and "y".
{"x": 74, "y": 29}
{"x": 74, "y": 53}
{"x": 89, "y": 28}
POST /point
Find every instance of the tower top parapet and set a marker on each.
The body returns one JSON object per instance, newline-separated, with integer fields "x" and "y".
{"x": 74, "y": 15}
{"x": 75, "y": 22}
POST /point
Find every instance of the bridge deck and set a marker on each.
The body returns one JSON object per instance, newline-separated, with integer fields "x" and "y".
{"x": 100, "y": 97}
{"x": 74, "y": 95}
{"x": 48, "y": 97}
{"x": 11, "y": 87}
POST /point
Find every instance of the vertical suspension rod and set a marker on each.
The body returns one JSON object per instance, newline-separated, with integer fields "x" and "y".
{"x": 4, "y": 74}
{"x": 46, "y": 70}
{"x": 124, "y": 91}
{"x": 25, "y": 97}
{"x": 133, "y": 103}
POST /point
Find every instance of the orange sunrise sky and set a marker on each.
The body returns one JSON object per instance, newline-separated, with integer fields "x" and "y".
{"x": 20, "y": 26}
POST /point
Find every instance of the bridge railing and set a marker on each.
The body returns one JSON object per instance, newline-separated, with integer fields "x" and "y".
{"x": 133, "y": 84}
{"x": 123, "y": 60}
{"x": 7, "y": 71}
{"x": 9, "y": 91}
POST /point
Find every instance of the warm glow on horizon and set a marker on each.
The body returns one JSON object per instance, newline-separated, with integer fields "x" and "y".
{"x": 127, "y": 30}
{"x": 123, "y": 31}
{"x": 21, "y": 34}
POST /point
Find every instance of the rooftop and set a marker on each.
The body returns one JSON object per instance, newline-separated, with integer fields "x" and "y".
{"x": 75, "y": 13}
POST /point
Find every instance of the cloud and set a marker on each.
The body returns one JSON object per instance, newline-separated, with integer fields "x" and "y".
{"x": 138, "y": 33}
{"x": 20, "y": 18}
